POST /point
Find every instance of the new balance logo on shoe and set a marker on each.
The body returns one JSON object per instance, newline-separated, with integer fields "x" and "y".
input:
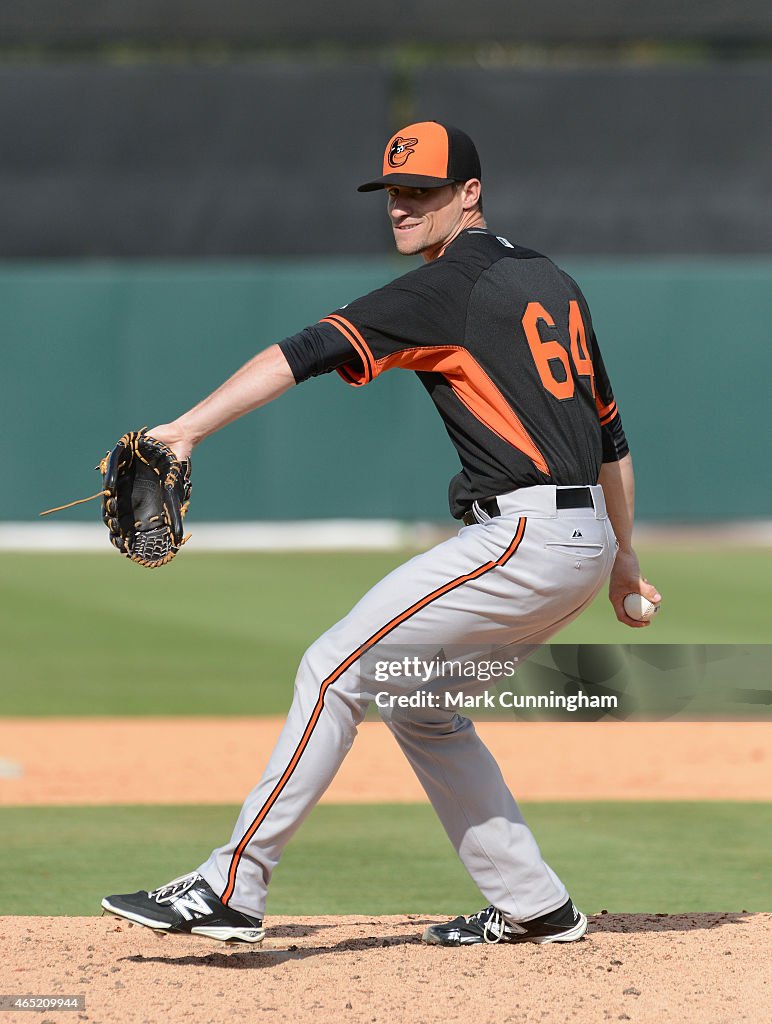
{"x": 191, "y": 906}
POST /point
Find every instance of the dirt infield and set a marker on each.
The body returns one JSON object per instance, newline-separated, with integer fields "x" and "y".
{"x": 647, "y": 969}
{"x": 693, "y": 969}
{"x": 106, "y": 761}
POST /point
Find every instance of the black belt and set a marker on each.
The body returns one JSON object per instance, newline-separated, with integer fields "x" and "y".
{"x": 565, "y": 497}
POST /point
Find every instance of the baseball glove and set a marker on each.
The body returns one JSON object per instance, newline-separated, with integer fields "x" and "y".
{"x": 145, "y": 495}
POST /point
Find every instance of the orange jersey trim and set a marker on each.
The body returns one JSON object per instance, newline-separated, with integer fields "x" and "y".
{"x": 336, "y": 674}
{"x": 474, "y": 388}
{"x": 350, "y": 333}
{"x": 606, "y": 413}
{"x": 469, "y": 381}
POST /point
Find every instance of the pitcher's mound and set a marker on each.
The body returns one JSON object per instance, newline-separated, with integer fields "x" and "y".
{"x": 648, "y": 969}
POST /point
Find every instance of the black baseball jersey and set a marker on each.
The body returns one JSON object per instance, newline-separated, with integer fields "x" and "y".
{"x": 502, "y": 340}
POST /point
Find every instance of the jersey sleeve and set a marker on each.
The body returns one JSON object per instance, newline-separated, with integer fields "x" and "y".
{"x": 408, "y": 323}
{"x": 317, "y": 350}
{"x": 615, "y": 445}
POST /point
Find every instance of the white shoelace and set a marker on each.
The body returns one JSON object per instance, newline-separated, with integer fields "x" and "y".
{"x": 495, "y": 926}
{"x": 169, "y": 892}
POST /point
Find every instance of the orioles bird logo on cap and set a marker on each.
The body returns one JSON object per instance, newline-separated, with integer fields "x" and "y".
{"x": 400, "y": 150}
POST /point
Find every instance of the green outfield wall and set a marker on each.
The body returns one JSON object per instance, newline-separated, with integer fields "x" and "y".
{"x": 90, "y": 350}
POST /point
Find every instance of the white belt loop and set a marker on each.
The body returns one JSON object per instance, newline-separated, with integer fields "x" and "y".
{"x": 599, "y": 500}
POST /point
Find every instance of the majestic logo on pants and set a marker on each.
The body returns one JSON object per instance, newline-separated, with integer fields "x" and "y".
{"x": 401, "y": 150}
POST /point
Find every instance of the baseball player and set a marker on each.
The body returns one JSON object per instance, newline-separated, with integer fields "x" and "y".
{"x": 503, "y": 342}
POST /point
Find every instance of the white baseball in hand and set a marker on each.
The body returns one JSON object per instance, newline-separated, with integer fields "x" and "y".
{"x": 640, "y": 608}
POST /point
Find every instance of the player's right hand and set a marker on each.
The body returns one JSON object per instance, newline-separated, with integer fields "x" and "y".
{"x": 626, "y": 579}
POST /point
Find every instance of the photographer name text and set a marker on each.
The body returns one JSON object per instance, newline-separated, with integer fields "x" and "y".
{"x": 507, "y": 699}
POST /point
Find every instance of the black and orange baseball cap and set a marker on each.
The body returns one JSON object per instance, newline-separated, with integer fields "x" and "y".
{"x": 426, "y": 155}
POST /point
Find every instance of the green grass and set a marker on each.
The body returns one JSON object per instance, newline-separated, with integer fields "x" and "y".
{"x": 388, "y": 859}
{"x": 210, "y": 634}
{"x": 222, "y": 634}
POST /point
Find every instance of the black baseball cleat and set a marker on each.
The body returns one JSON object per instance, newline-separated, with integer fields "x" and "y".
{"x": 187, "y": 904}
{"x": 566, "y": 924}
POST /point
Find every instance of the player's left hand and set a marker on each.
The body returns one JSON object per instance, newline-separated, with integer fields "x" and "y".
{"x": 145, "y": 496}
{"x": 173, "y": 436}
{"x": 626, "y": 579}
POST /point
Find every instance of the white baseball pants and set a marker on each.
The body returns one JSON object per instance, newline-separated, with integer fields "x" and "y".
{"x": 510, "y": 582}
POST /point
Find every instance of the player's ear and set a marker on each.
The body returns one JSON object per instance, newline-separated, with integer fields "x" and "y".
{"x": 470, "y": 193}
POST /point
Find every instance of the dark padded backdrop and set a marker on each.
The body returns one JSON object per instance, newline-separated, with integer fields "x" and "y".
{"x": 619, "y": 161}
{"x": 190, "y": 161}
{"x": 242, "y": 21}
{"x": 263, "y": 159}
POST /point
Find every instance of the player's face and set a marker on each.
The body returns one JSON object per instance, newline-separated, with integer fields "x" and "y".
{"x": 425, "y": 220}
